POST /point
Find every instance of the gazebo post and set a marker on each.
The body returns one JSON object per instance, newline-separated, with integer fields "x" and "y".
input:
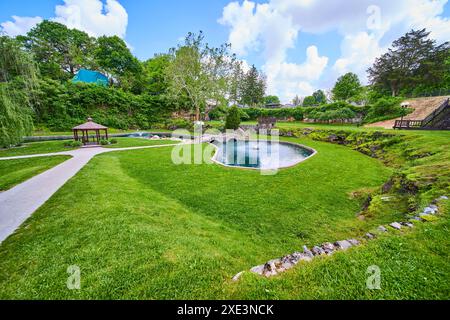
{"x": 106, "y": 132}
{"x": 85, "y": 128}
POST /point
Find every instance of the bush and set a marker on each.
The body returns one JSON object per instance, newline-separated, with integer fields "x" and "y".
{"x": 385, "y": 108}
{"x": 73, "y": 144}
{"x": 104, "y": 142}
{"x": 179, "y": 123}
{"x": 113, "y": 141}
{"x": 233, "y": 119}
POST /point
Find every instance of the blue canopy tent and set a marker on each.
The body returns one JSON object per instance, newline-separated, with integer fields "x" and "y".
{"x": 89, "y": 76}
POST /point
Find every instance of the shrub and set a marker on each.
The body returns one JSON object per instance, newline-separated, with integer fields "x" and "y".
{"x": 113, "y": 141}
{"x": 179, "y": 123}
{"x": 104, "y": 142}
{"x": 72, "y": 144}
{"x": 233, "y": 119}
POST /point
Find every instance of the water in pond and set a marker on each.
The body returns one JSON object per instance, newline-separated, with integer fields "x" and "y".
{"x": 260, "y": 154}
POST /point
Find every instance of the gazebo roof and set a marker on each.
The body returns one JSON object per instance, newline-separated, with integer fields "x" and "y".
{"x": 89, "y": 125}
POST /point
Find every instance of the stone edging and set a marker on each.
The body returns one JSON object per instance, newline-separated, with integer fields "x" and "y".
{"x": 276, "y": 266}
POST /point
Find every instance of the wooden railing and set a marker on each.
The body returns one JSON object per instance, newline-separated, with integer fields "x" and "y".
{"x": 408, "y": 124}
{"x": 433, "y": 115}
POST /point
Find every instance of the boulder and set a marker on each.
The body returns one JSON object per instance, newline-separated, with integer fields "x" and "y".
{"x": 382, "y": 229}
{"x": 328, "y": 247}
{"x": 396, "y": 225}
{"x": 258, "y": 269}
{"x": 307, "y": 252}
{"x": 354, "y": 242}
{"x": 369, "y": 235}
{"x": 430, "y": 209}
{"x": 237, "y": 276}
{"x": 443, "y": 198}
{"x": 343, "y": 244}
{"x": 408, "y": 224}
{"x": 317, "y": 251}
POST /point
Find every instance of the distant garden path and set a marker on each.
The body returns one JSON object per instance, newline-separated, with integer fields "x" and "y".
{"x": 18, "y": 203}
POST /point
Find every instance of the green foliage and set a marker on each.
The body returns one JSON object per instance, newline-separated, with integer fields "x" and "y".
{"x": 17, "y": 82}
{"x": 415, "y": 64}
{"x": 309, "y": 101}
{"x": 346, "y": 87}
{"x": 73, "y": 144}
{"x": 113, "y": 141}
{"x": 319, "y": 97}
{"x": 271, "y": 100}
{"x": 279, "y": 113}
{"x": 62, "y": 106}
{"x": 217, "y": 113}
{"x": 104, "y": 142}
{"x": 60, "y": 52}
{"x": 179, "y": 123}
{"x": 233, "y": 119}
{"x": 154, "y": 74}
{"x": 385, "y": 108}
{"x": 253, "y": 87}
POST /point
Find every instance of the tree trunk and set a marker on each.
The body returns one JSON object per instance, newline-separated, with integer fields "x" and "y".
{"x": 197, "y": 113}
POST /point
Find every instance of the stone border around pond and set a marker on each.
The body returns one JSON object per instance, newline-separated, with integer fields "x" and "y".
{"x": 279, "y": 265}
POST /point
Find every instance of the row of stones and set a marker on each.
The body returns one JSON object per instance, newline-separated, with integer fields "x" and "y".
{"x": 276, "y": 266}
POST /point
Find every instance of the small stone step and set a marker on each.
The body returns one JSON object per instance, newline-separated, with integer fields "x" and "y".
{"x": 382, "y": 229}
{"x": 396, "y": 225}
{"x": 343, "y": 244}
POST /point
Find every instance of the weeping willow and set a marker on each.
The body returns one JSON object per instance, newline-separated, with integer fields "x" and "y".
{"x": 18, "y": 82}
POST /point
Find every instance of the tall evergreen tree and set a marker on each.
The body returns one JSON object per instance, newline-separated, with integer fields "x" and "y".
{"x": 414, "y": 60}
{"x": 254, "y": 87}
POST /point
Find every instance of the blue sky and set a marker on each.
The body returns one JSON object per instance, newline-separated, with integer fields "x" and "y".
{"x": 301, "y": 45}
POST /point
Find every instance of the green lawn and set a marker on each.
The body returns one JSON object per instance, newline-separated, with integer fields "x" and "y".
{"x": 35, "y": 148}
{"x": 13, "y": 172}
{"x": 139, "y": 226}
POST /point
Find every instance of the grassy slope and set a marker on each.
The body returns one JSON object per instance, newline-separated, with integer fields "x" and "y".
{"x": 13, "y": 172}
{"x": 35, "y": 148}
{"x": 138, "y": 142}
{"x": 166, "y": 231}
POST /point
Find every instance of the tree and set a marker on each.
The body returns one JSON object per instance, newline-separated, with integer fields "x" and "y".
{"x": 320, "y": 97}
{"x": 154, "y": 74}
{"x": 233, "y": 119}
{"x": 114, "y": 58}
{"x": 253, "y": 87}
{"x": 271, "y": 100}
{"x": 297, "y": 101}
{"x": 414, "y": 60}
{"x": 60, "y": 52}
{"x": 309, "y": 101}
{"x": 198, "y": 72}
{"x": 346, "y": 87}
{"x": 18, "y": 78}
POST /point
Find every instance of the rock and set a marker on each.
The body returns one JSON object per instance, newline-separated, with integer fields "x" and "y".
{"x": 396, "y": 225}
{"x": 343, "y": 244}
{"x": 417, "y": 218}
{"x": 258, "y": 269}
{"x": 317, "y": 251}
{"x": 270, "y": 268}
{"x": 369, "y": 235}
{"x": 382, "y": 229}
{"x": 307, "y": 252}
{"x": 430, "y": 210}
{"x": 237, "y": 276}
{"x": 443, "y": 198}
{"x": 408, "y": 224}
{"x": 328, "y": 247}
{"x": 305, "y": 257}
{"x": 354, "y": 242}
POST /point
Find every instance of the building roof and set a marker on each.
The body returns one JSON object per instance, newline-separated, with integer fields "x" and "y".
{"x": 90, "y": 76}
{"x": 89, "y": 125}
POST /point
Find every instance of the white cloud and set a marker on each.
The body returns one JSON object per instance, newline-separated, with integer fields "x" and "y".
{"x": 20, "y": 25}
{"x": 367, "y": 28}
{"x": 92, "y": 16}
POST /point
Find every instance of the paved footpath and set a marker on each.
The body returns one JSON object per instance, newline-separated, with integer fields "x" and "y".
{"x": 19, "y": 203}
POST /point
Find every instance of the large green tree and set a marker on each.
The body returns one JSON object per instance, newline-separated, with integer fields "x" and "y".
{"x": 59, "y": 51}
{"x": 271, "y": 99}
{"x": 154, "y": 74}
{"x": 199, "y": 72}
{"x": 346, "y": 87}
{"x": 413, "y": 61}
{"x": 18, "y": 79}
{"x": 320, "y": 97}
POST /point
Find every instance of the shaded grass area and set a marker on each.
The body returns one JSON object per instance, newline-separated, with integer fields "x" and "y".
{"x": 139, "y": 142}
{"x": 13, "y": 172}
{"x": 166, "y": 231}
{"x": 36, "y": 148}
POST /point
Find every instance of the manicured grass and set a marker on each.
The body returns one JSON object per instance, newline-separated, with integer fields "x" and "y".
{"x": 141, "y": 227}
{"x": 35, "y": 148}
{"x": 139, "y": 142}
{"x": 13, "y": 172}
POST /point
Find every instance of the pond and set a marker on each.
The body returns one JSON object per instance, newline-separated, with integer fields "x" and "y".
{"x": 260, "y": 154}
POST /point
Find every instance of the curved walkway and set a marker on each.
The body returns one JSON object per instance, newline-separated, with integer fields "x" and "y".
{"x": 18, "y": 203}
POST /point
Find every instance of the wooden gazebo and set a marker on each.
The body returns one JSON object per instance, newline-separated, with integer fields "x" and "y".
{"x": 81, "y": 132}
